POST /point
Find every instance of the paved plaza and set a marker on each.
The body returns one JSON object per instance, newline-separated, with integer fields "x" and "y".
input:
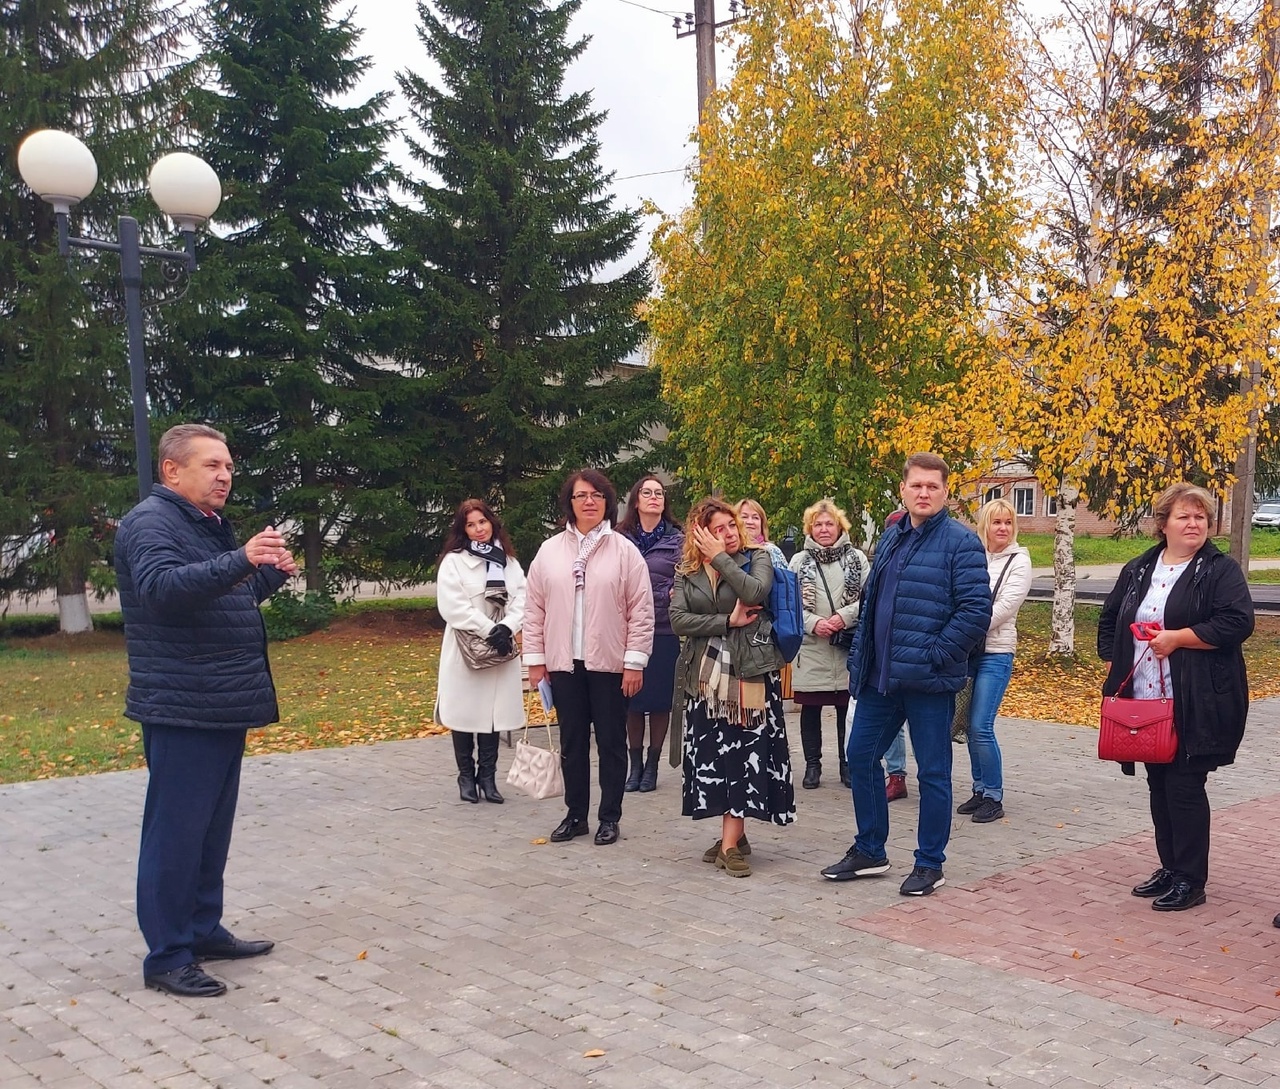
{"x": 426, "y": 942}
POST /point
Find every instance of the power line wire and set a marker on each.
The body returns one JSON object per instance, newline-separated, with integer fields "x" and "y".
{"x": 651, "y": 174}
{"x": 656, "y": 11}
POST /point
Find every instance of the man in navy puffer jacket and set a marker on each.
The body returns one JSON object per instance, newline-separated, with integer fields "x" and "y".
{"x": 198, "y": 680}
{"x": 925, "y": 608}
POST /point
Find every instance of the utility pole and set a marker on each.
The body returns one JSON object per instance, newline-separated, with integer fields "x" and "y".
{"x": 702, "y": 26}
{"x": 1260, "y": 230}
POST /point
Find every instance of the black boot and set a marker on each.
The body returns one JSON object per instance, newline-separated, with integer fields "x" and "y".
{"x": 637, "y": 770}
{"x": 649, "y": 780}
{"x": 466, "y": 767}
{"x": 811, "y": 743}
{"x": 487, "y": 766}
{"x": 844, "y": 755}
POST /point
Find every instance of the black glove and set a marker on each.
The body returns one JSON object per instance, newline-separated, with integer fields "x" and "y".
{"x": 500, "y": 639}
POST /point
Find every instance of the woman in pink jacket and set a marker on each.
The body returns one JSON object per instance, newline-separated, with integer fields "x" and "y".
{"x": 588, "y": 629}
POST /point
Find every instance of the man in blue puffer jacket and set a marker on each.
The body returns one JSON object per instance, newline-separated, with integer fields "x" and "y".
{"x": 925, "y": 608}
{"x": 198, "y": 680}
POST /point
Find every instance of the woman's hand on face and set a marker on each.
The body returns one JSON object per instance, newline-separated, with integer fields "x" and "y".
{"x": 708, "y": 543}
{"x": 632, "y": 681}
{"x": 743, "y": 615}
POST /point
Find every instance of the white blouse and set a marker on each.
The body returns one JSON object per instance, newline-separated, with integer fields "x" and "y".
{"x": 1146, "y": 677}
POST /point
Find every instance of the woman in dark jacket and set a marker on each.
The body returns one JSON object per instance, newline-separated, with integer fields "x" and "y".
{"x": 736, "y": 762}
{"x": 1201, "y": 601}
{"x": 654, "y": 530}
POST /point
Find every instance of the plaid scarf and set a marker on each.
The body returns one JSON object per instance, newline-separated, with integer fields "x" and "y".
{"x": 586, "y": 547}
{"x": 729, "y": 697}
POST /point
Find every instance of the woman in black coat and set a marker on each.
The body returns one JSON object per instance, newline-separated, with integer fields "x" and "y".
{"x": 1201, "y": 601}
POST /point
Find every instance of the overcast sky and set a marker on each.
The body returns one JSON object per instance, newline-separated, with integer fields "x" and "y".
{"x": 634, "y": 66}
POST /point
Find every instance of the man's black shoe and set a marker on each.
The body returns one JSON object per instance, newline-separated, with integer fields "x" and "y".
{"x": 990, "y": 810}
{"x": 922, "y": 881}
{"x": 855, "y": 864}
{"x": 607, "y": 833}
{"x": 569, "y": 828}
{"x": 967, "y": 809}
{"x": 1157, "y": 884}
{"x": 232, "y": 949}
{"x": 189, "y": 981}
{"x": 1183, "y": 895}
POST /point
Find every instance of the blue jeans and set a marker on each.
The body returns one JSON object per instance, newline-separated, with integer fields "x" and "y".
{"x": 876, "y": 720}
{"x": 895, "y": 757}
{"x": 990, "y": 675}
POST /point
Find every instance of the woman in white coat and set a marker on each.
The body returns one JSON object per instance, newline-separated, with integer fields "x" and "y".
{"x": 1009, "y": 572}
{"x": 480, "y": 588}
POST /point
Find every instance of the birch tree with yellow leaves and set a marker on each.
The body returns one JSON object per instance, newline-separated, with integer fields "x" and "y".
{"x": 853, "y": 208}
{"x": 1149, "y": 289}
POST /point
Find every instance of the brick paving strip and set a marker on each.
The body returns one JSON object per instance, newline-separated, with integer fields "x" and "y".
{"x": 423, "y": 942}
{"x": 1073, "y": 921}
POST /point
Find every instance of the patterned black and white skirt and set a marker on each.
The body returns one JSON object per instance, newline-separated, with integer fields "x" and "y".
{"x": 737, "y": 771}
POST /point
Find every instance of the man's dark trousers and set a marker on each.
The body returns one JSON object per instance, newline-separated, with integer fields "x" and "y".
{"x": 186, "y": 833}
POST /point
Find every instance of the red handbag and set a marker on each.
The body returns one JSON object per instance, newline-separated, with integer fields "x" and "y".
{"x": 1138, "y": 731}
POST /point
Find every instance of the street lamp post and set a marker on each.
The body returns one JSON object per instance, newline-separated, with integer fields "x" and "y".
{"x": 62, "y": 171}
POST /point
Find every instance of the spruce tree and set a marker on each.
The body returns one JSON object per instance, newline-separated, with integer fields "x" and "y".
{"x": 284, "y": 328}
{"x": 107, "y": 71}
{"x": 520, "y": 335}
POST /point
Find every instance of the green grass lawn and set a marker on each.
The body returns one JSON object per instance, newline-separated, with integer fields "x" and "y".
{"x": 1264, "y": 544}
{"x": 371, "y": 678}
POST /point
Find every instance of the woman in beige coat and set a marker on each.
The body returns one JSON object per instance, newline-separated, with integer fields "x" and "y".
{"x": 480, "y": 588}
{"x": 831, "y": 572}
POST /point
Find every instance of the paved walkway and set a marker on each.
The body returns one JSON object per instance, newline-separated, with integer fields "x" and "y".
{"x": 425, "y": 942}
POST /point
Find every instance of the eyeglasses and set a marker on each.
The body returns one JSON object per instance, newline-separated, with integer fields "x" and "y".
{"x": 651, "y": 493}
{"x": 582, "y": 497}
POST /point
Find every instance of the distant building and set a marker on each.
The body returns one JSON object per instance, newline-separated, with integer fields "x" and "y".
{"x": 1038, "y": 510}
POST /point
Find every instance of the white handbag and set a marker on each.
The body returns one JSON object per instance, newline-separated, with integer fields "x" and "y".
{"x": 536, "y": 770}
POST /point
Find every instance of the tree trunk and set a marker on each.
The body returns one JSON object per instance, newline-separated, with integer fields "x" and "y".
{"x": 312, "y": 542}
{"x": 73, "y": 613}
{"x": 1062, "y": 638}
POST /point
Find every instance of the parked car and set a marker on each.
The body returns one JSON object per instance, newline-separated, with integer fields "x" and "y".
{"x": 1267, "y": 516}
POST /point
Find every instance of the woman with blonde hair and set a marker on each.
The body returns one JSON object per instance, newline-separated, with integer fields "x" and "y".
{"x": 756, "y": 525}
{"x": 991, "y": 666}
{"x": 831, "y": 572}
{"x": 736, "y": 762}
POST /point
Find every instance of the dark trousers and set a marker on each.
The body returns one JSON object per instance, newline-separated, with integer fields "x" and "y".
{"x": 186, "y": 833}
{"x": 1180, "y": 813}
{"x": 583, "y": 698}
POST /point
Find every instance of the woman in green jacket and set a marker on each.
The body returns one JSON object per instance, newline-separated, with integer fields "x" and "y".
{"x": 736, "y": 761}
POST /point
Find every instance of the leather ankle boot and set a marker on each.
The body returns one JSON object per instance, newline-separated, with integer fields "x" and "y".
{"x": 486, "y": 768}
{"x": 649, "y": 779}
{"x": 637, "y": 770}
{"x": 812, "y": 775}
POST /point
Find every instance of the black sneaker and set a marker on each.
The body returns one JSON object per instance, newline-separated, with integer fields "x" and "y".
{"x": 922, "y": 882}
{"x": 855, "y": 864}
{"x": 990, "y": 810}
{"x": 971, "y": 806}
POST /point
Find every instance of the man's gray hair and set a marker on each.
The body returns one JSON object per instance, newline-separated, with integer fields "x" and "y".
{"x": 175, "y": 444}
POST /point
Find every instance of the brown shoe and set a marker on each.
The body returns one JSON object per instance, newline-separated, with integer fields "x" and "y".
{"x": 732, "y": 862}
{"x": 895, "y": 787}
{"x": 713, "y": 852}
